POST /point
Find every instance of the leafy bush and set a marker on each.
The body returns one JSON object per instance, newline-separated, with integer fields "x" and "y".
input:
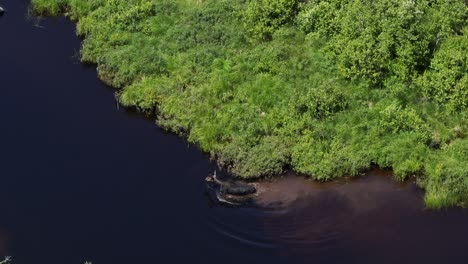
{"x": 265, "y": 16}
{"x": 446, "y": 81}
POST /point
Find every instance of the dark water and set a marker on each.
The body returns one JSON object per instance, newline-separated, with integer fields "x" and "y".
{"x": 82, "y": 180}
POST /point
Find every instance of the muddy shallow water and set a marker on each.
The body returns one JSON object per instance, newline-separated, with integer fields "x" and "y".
{"x": 336, "y": 213}
{"x": 368, "y": 219}
{"x": 84, "y": 180}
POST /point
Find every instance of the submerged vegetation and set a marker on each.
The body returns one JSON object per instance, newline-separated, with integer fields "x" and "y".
{"x": 6, "y": 260}
{"x": 325, "y": 87}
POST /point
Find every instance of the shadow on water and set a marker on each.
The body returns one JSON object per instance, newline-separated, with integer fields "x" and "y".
{"x": 83, "y": 180}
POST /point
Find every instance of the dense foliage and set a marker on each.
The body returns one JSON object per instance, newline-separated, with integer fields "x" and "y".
{"x": 325, "y": 87}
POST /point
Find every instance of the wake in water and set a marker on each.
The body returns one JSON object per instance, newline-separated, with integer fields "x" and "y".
{"x": 296, "y": 215}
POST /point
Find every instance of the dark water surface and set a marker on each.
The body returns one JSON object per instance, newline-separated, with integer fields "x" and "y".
{"x": 82, "y": 180}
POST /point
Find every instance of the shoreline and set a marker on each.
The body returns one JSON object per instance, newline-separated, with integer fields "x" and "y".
{"x": 291, "y": 187}
{"x": 323, "y": 152}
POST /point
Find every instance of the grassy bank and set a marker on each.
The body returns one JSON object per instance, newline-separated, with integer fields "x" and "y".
{"x": 325, "y": 87}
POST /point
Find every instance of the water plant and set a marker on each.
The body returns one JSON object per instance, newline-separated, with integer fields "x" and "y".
{"x": 6, "y": 260}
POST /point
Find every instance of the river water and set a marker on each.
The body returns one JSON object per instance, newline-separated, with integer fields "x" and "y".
{"x": 81, "y": 179}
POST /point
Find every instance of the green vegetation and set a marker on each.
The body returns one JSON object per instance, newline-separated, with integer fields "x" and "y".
{"x": 325, "y": 87}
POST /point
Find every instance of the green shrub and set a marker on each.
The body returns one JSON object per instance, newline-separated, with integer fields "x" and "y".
{"x": 264, "y": 17}
{"x": 446, "y": 81}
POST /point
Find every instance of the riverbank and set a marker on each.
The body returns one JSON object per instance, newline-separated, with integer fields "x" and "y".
{"x": 106, "y": 185}
{"x": 263, "y": 85}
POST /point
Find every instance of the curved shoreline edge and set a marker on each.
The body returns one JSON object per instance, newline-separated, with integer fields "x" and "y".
{"x": 234, "y": 107}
